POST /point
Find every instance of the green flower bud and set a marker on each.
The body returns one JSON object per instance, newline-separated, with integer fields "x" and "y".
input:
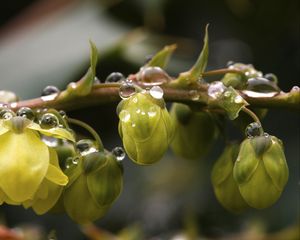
{"x": 145, "y": 127}
{"x": 195, "y": 132}
{"x": 261, "y": 170}
{"x": 225, "y": 187}
{"x": 95, "y": 182}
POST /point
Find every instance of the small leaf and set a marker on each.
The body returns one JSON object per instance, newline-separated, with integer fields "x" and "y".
{"x": 162, "y": 58}
{"x": 192, "y": 76}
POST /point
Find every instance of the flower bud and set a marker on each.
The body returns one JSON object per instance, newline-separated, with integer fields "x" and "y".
{"x": 261, "y": 170}
{"x": 95, "y": 183}
{"x": 225, "y": 187}
{"x": 145, "y": 127}
{"x": 195, "y": 132}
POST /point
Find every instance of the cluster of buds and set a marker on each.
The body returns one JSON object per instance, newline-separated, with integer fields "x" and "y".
{"x": 253, "y": 174}
{"x": 43, "y": 168}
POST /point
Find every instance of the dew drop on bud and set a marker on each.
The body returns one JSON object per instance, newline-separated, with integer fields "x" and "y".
{"x": 86, "y": 146}
{"x": 75, "y": 160}
{"x": 238, "y": 99}
{"x": 124, "y": 116}
{"x": 6, "y": 114}
{"x": 126, "y": 90}
{"x": 115, "y": 77}
{"x": 152, "y": 112}
{"x": 215, "y": 89}
{"x": 49, "y": 93}
{"x": 253, "y": 130}
{"x": 119, "y": 153}
{"x": 68, "y": 162}
{"x": 26, "y": 112}
{"x": 156, "y": 92}
{"x": 48, "y": 120}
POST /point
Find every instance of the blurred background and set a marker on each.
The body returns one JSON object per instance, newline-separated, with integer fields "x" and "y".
{"x": 45, "y": 42}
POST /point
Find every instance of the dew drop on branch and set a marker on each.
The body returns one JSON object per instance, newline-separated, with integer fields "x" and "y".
{"x": 126, "y": 90}
{"x": 49, "y": 120}
{"x": 6, "y": 114}
{"x": 253, "y": 130}
{"x": 85, "y": 147}
{"x": 115, "y": 77}
{"x": 26, "y": 112}
{"x": 49, "y": 93}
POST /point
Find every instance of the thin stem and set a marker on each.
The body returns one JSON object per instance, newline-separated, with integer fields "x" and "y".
{"x": 254, "y": 117}
{"x": 87, "y": 127}
{"x": 221, "y": 71}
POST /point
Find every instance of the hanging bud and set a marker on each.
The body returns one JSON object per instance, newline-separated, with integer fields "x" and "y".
{"x": 261, "y": 170}
{"x": 95, "y": 182}
{"x": 225, "y": 187}
{"x": 145, "y": 126}
{"x": 195, "y": 132}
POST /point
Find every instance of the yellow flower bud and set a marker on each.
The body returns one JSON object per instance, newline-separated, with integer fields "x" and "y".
{"x": 145, "y": 127}
{"x": 225, "y": 187}
{"x": 261, "y": 170}
{"x": 195, "y": 132}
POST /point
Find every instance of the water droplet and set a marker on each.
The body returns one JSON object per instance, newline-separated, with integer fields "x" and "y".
{"x": 253, "y": 129}
{"x": 26, "y": 112}
{"x": 133, "y": 125}
{"x": 238, "y": 99}
{"x": 138, "y": 110}
{"x": 126, "y": 90}
{"x": 14, "y": 105}
{"x": 271, "y": 77}
{"x": 48, "y": 120}
{"x": 75, "y": 160}
{"x": 152, "y": 112}
{"x": 215, "y": 89}
{"x": 97, "y": 80}
{"x": 143, "y": 113}
{"x": 266, "y": 134}
{"x": 115, "y": 77}
{"x": 261, "y": 85}
{"x": 295, "y": 89}
{"x": 86, "y": 146}
{"x": 135, "y": 100}
{"x": 119, "y": 153}
{"x": 72, "y": 85}
{"x": 230, "y": 63}
{"x": 254, "y": 94}
{"x": 227, "y": 93}
{"x": 50, "y": 141}
{"x": 194, "y": 95}
{"x": 62, "y": 114}
{"x": 6, "y": 114}
{"x": 156, "y": 92}
{"x": 49, "y": 93}
{"x": 124, "y": 116}
{"x": 153, "y": 76}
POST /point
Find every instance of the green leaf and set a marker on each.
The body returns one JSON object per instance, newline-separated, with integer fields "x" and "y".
{"x": 192, "y": 76}
{"x": 162, "y": 58}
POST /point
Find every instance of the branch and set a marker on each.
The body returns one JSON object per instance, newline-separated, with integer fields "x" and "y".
{"x": 109, "y": 93}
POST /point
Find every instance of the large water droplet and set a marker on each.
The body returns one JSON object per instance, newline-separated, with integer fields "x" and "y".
{"x": 253, "y": 129}
{"x": 119, "y": 153}
{"x": 262, "y": 85}
{"x": 156, "y": 92}
{"x": 254, "y": 94}
{"x": 86, "y": 146}
{"x": 126, "y": 90}
{"x": 115, "y": 77}
{"x": 6, "y": 114}
{"x": 153, "y": 76}
{"x": 50, "y": 141}
{"x": 124, "y": 116}
{"x": 26, "y": 112}
{"x": 295, "y": 89}
{"x": 216, "y": 89}
{"x": 48, "y": 120}
{"x": 49, "y": 93}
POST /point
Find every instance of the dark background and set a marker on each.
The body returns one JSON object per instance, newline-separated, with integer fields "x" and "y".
{"x": 161, "y": 197}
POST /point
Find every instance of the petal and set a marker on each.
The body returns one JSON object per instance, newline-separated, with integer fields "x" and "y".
{"x": 41, "y": 206}
{"x": 3, "y": 129}
{"x": 275, "y": 164}
{"x": 24, "y": 161}
{"x": 56, "y": 132}
{"x": 246, "y": 163}
{"x": 54, "y": 173}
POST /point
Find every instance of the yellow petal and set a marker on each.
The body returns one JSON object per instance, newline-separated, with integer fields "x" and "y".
{"x": 54, "y": 173}
{"x": 41, "y": 206}
{"x": 24, "y": 161}
{"x": 56, "y": 132}
{"x": 2, "y": 128}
